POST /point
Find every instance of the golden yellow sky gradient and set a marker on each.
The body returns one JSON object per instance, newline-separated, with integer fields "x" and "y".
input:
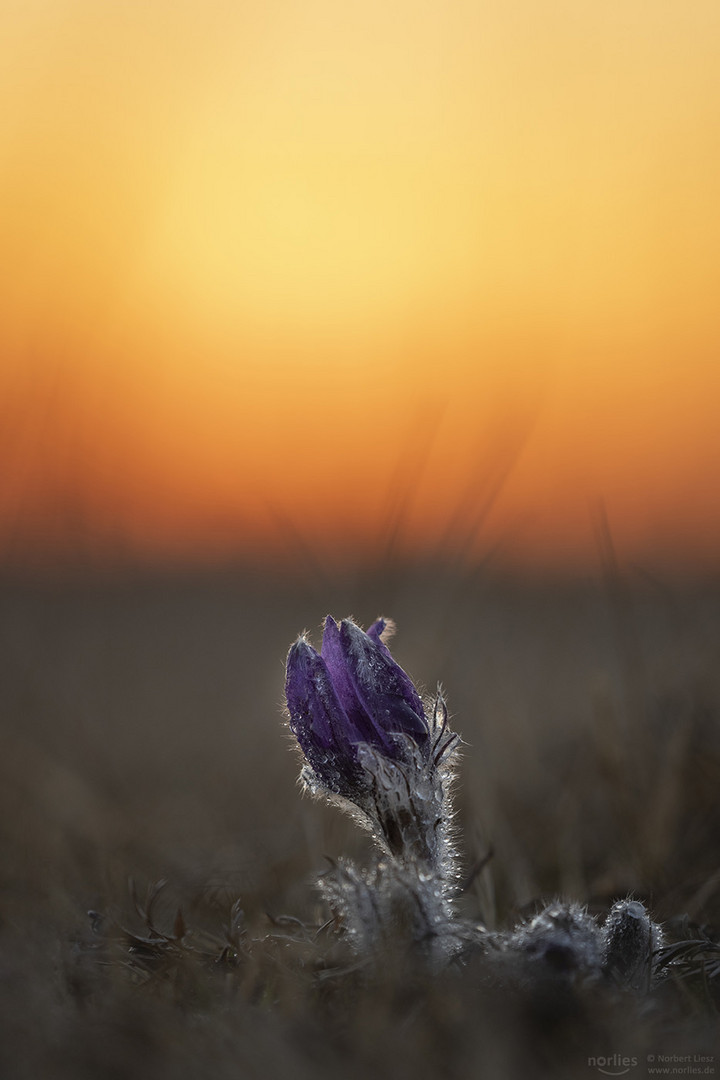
{"x": 321, "y": 273}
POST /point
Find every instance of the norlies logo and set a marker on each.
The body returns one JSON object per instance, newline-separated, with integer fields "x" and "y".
{"x": 614, "y": 1065}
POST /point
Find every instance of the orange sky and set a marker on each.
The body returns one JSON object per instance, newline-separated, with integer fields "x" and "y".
{"x": 356, "y": 276}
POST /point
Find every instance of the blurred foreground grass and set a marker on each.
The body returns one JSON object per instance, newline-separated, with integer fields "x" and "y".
{"x": 142, "y": 739}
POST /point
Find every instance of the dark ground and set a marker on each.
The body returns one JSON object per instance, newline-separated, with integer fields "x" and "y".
{"x": 142, "y": 738}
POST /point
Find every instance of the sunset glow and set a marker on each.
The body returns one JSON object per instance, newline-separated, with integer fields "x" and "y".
{"x": 360, "y": 277}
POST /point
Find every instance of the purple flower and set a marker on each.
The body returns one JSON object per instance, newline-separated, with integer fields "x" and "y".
{"x": 351, "y": 693}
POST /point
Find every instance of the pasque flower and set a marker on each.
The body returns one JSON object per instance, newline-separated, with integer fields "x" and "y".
{"x": 351, "y": 694}
{"x": 371, "y": 745}
{"x": 367, "y": 738}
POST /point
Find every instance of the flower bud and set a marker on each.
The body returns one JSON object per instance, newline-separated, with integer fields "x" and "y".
{"x": 366, "y": 738}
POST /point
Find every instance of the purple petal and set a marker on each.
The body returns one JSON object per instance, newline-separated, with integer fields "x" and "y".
{"x": 317, "y": 718}
{"x": 375, "y": 632}
{"x": 315, "y": 712}
{"x": 381, "y": 685}
{"x": 361, "y": 727}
